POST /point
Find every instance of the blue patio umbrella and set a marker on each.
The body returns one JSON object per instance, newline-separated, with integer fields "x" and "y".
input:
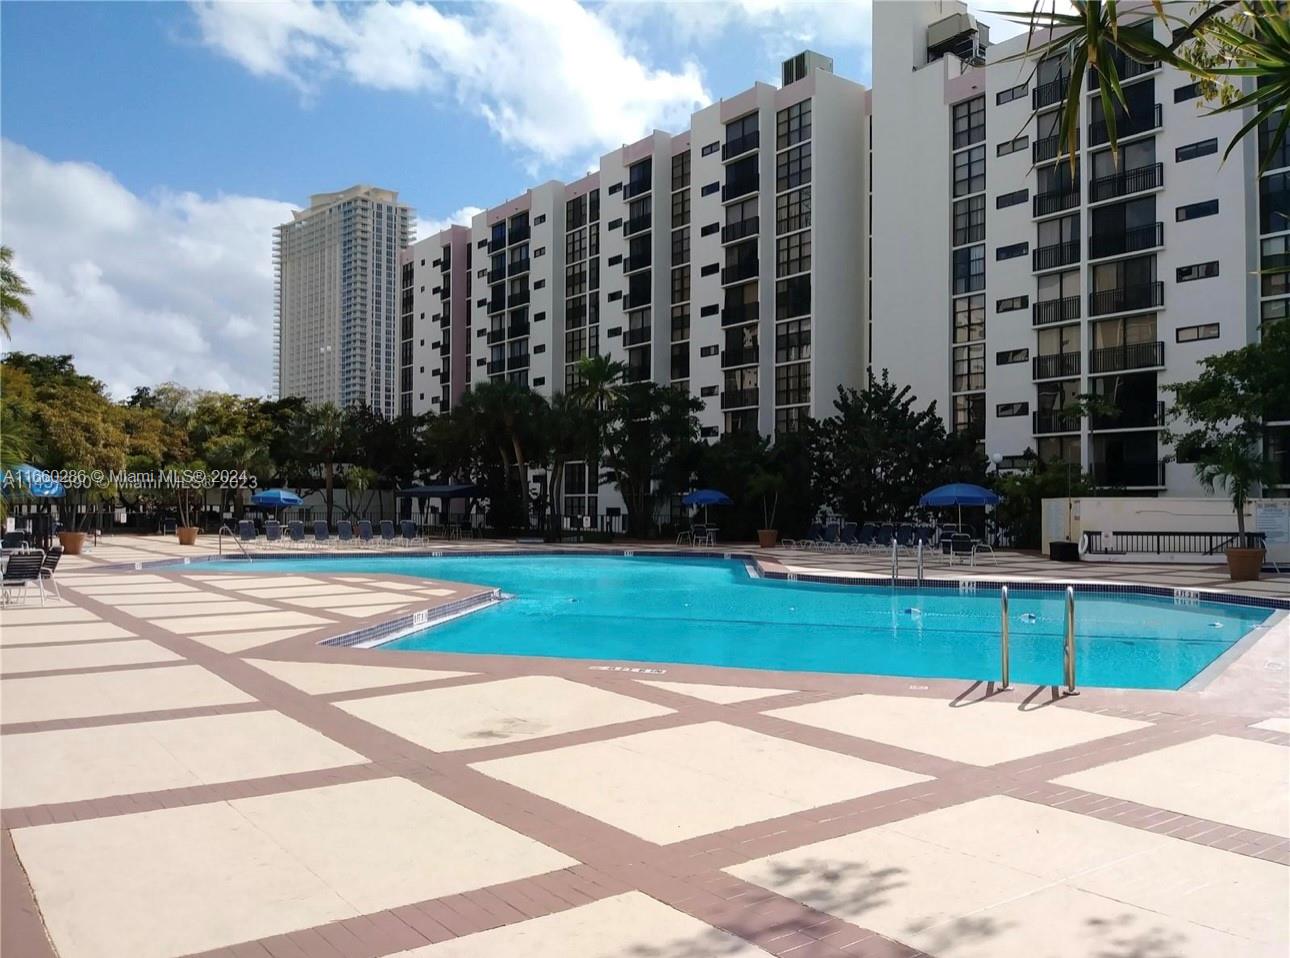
{"x": 276, "y": 498}
{"x": 705, "y": 498}
{"x": 28, "y": 480}
{"x": 959, "y": 494}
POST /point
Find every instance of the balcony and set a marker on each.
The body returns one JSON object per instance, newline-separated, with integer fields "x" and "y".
{"x": 737, "y": 231}
{"x": 1125, "y": 68}
{"x": 1045, "y": 204}
{"x": 742, "y": 186}
{"x": 1048, "y": 148}
{"x": 746, "y": 269}
{"x": 518, "y": 298}
{"x": 518, "y": 361}
{"x": 1126, "y": 298}
{"x": 496, "y": 366}
{"x": 1056, "y": 366}
{"x": 1112, "y": 359}
{"x": 636, "y": 188}
{"x": 1137, "y": 416}
{"x": 1056, "y": 255}
{"x": 515, "y": 330}
{"x": 518, "y": 234}
{"x": 743, "y": 313}
{"x": 496, "y": 335}
{"x": 497, "y": 304}
{"x": 497, "y": 244}
{"x": 518, "y": 266}
{"x": 1130, "y": 475}
{"x": 636, "y": 337}
{"x": 1126, "y": 183}
{"x": 740, "y": 145}
{"x": 1055, "y": 311}
{"x": 497, "y": 275}
{"x": 445, "y": 347}
{"x": 743, "y": 356}
{"x": 1127, "y": 241}
{"x": 738, "y": 398}
{"x": 1125, "y": 126}
{"x": 636, "y": 224}
{"x": 637, "y": 301}
{"x": 633, "y": 263}
{"x": 1054, "y": 91}
{"x": 1049, "y": 423}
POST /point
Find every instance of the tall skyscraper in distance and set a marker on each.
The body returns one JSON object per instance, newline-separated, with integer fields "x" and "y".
{"x": 336, "y": 298}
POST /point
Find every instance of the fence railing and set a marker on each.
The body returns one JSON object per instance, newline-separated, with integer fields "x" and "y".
{"x": 1165, "y": 543}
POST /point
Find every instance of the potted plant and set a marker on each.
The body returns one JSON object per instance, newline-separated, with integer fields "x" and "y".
{"x": 187, "y": 501}
{"x": 1224, "y": 410}
{"x": 767, "y": 486}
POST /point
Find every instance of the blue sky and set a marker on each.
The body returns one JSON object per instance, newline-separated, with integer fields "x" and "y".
{"x": 149, "y": 148}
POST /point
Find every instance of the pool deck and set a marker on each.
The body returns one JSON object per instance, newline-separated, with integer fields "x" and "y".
{"x": 186, "y": 770}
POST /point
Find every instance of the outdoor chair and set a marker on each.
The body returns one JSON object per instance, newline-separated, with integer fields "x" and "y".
{"x": 15, "y": 540}
{"x": 22, "y": 572}
{"x": 882, "y": 539}
{"x": 47, "y": 570}
{"x": 272, "y": 531}
{"x": 296, "y": 532}
{"x": 848, "y": 540}
{"x": 959, "y": 548}
{"x": 246, "y": 531}
{"x": 322, "y": 533}
{"x": 905, "y": 540}
{"x": 345, "y": 531}
{"x": 980, "y": 547}
{"x": 816, "y": 531}
{"x": 365, "y": 532}
{"x": 830, "y": 538}
{"x": 387, "y": 532}
{"x": 866, "y": 537}
{"x": 408, "y": 529}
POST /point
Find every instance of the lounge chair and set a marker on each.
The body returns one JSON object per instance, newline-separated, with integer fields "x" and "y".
{"x": 345, "y": 531}
{"x": 882, "y": 539}
{"x": 387, "y": 532}
{"x": 905, "y": 537}
{"x": 15, "y": 540}
{"x": 246, "y": 530}
{"x": 272, "y": 531}
{"x": 322, "y": 533}
{"x": 296, "y": 532}
{"x": 848, "y": 541}
{"x": 830, "y": 537}
{"x": 23, "y": 571}
{"x": 47, "y": 570}
{"x": 959, "y": 548}
{"x": 866, "y": 539}
{"x": 365, "y": 532}
{"x": 408, "y": 528}
{"x": 814, "y": 533}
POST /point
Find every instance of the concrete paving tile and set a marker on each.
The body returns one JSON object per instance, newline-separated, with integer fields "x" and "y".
{"x": 239, "y": 642}
{"x": 36, "y": 615}
{"x": 1274, "y": 725}
{"x": 45, "y": 698}
{"x": 200, "y": 624}
{"x": 41, "y": 658}
{"x": 721, "y": 694}
{"x": 323, "y": 678}
{"x": 61, "y": 632}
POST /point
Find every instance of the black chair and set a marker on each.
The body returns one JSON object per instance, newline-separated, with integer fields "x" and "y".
{"x": 47, "y": 570}
{"x": 23, "y": 570}
{"x": 15, "y": 540}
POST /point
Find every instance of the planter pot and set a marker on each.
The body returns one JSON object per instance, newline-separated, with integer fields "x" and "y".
{"x": 72, "y": 542}
{"x": 1244, "y": 565}
{"x": 767, "y": 538}
{"x": 187, "y": 535}
{"x": 1062, "y": 551}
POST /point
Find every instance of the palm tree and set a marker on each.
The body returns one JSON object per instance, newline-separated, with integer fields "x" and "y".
{"x": 324, "y": 433}
{"x": 12, "y": 291}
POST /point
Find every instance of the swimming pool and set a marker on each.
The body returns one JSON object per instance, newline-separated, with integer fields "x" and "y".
{"x": 713, "y": 612}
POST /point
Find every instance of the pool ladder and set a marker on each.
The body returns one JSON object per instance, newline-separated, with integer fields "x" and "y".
{"x": 1068, "y": 645}
{"x": 224, "y": 529}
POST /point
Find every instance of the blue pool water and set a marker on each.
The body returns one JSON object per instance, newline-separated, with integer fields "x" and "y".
{"x": 712, "y": 612}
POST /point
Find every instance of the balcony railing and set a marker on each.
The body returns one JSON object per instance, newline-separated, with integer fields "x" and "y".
{"x": 1056, "y": 366}
{"x": 632, "y": 263}
{"x": 740, "y": 187}
{"x": 635, "y": 337}
{"x": 1046, "y": 423}
{"x": 515, "y": 330}
{"x": 1058, "y": 254}
{"x": 518, "y": 361}
{"x": 445, "y": 347}
{"x": 1046, "y": 204}
{"x": 740, "y": 145}
{"x": 1130, "y": 475}
{"x": 1126, "y": 298}
{"x": 743, "y": 356}
{"x": 1138, "y": 416}
{"x": 1125, "y": 68}
{"x": 636, "y": 224}
{"x": 636, "y": 188}
{"x": 518, "y": 234}
{"x": 518, "y": 266}
{"x": 519, "y": 298}
{"x": 1054, "y": 91}
{"x": 1128, "y": 125}
{"x": 737, "y": 231}
{"x": 743, "y": 313}
{"x": 497, "y": 304}
{"x": 1055, "y": 311}
{"x": 496, "y": 366}
{"x": 738, "y": 398}
{"x": 1048, "y": 148}
{"x": 742, "y": 270}
{"x": 637, "y": 301}
{"x": 496, "y": 335}
{"x": 497, "y": 275}
{"x": 1126, "y": 241}
{"x": 1126, "y": 182}
{"x": 1112, "y": 359}
{"x": 497, "y": 244}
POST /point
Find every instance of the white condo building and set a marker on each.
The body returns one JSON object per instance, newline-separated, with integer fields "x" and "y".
{"x": 335, "y": 283}
{"x": 1008, "y": 282}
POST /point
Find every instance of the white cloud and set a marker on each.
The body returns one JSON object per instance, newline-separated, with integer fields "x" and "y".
{"x": 461, "y": 217}
{"x": 139, "y": 289}
{"x": 552, "y": 78}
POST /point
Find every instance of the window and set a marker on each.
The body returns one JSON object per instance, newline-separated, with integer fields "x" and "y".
{"x": 793, "y": 384}
{"x": 1186, "y": 274}
{"x": 1191, "y": 334}
{"x": 1015, "y": 198}
{"x": 681, "y": 170}
{"x": 1274, "y": 256}
{"x": 1279, "y": 157}
{"x": 710, "y": 148}
{"x": 680, "y": 361}
{"x": 969, "y": 269}
{"x": 710, "y": 310}
{"x": 969, "y": 319}
{"x": 969, "y": 367}
{"x": 1188, "y": 92}
{"x": 707, "y": 391}
{"x": 1193, "y": 150}
{"x": 680, "y": 208}
{"x": 540, "y": 251}
{"x": 1194, "y": 211}
{"x": 1274, "y": 203}
{"x": 680, "y": 323}
{"x": 793, "y": 254}
{"x": 709, "y": 269}
{"x": 793, "y": 167}
{"x": 709, "y": 188}
{"x": 790, "y": 419}
{"x": 793, "y": 210}
{"x": 969, "y": 171}
{"x": 793, "y": 125}
{"x": 1010, "y": 94}
{"x": 1011, "y": 251}
{"x": 793, "y": 341}
{"x": 969, "y": 220}
{"x": 969, "y": 122}
{"x": 1012, "y": 146}
{"x": 681, "y": 246}
{"x": 1011, "y": 303}
{"x": 1007, "y": 357}
{"x": 613, "y": 224}
{"x": 1005, "y": 409}
{"x": 575, "y": 279}
{"x": 744, "y": 211}
{"x": 709, "y": 229}
{"x": 792, "y": 296}
{"x": 681, "y": 284}
{"x": 737, "y": 129}
{"x": 615, "y": 188}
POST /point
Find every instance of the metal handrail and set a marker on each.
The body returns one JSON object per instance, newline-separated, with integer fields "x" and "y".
{"x": 895, "y": 561}
{"x": 236, "y": 541}
{"x": 1068, "y": 647}
{"x": 920, "y": 561}
{"x": 1003, "y": 638}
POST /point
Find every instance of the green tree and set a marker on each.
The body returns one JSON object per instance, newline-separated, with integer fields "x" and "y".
{"x": 322, "y": 436}
{"x": 568, "y": 434}
{"x": 13, "y": 292}
{"x": 1021, "y": 498}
